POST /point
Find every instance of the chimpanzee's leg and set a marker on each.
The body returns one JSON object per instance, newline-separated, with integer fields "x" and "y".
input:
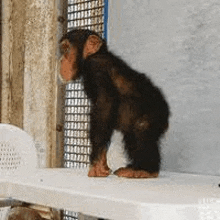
{"x": 100, "y": 134}
{"x": 144, "y": 156}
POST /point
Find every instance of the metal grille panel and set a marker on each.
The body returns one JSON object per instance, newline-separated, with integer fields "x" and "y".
{"x": 77, "y": 143}
{"x": 70, "y": 215}
{"x": 86, "y": 15}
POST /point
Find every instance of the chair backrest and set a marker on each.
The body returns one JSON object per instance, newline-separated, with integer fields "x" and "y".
{"x": 17, "y": 150}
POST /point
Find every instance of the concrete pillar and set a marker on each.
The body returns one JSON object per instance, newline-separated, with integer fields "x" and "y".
{"x": 29, "y": 78}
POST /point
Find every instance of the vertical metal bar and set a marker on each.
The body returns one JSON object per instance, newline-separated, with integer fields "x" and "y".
{"x": 106, "y": 19}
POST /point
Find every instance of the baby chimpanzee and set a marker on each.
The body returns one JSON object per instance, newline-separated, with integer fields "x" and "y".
{"x": 122, "y": 99}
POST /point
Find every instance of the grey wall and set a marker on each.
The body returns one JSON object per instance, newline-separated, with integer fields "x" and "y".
{"x": 177, "y": 43}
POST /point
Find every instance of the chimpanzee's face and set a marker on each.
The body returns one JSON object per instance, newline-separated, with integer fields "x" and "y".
{"x": 70, "y": 52}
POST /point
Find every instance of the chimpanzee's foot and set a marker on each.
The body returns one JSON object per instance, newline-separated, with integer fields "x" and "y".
{"x": 100, "y": 168}
{"x": 130, "y": 173}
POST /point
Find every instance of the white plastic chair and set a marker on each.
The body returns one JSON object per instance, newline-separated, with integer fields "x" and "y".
{"x": 17, "y": 153}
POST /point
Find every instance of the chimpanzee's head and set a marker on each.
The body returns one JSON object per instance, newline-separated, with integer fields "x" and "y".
{"x": 75, "y": 46}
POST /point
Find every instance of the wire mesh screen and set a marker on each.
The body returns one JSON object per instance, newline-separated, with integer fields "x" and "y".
{"x": 70, "y": 215}
{"x": 77, "y": 143}
{"x": 88, "y": 14}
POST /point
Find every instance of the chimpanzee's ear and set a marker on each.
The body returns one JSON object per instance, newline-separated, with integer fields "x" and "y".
{"x": 64, "y": 46}
{"x": 68, "y": 69}
{"x": 92, "y": 45}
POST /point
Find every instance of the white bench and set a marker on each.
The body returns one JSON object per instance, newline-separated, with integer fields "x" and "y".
{"x": 172, "y": 196}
